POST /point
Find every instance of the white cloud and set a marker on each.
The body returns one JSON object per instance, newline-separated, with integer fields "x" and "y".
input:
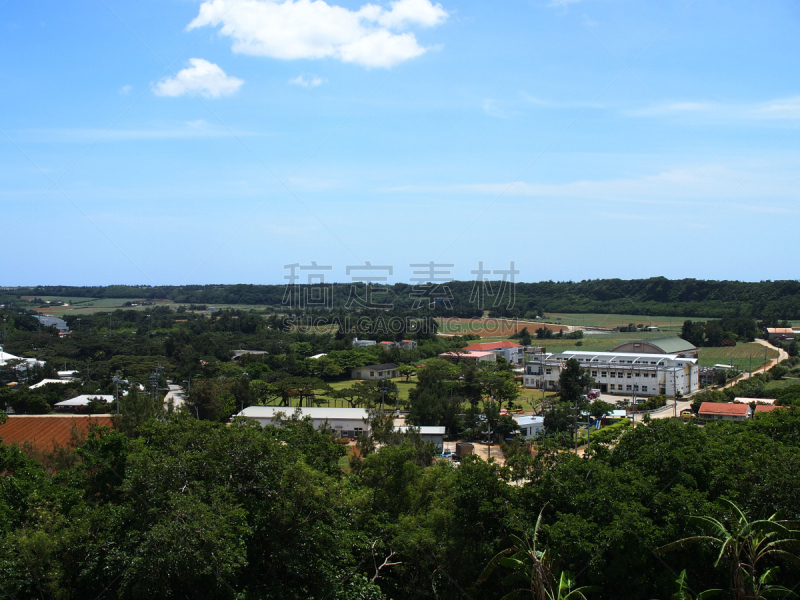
{"x": 494, "y": 108}
{"x": 786, "y": 108}
{"x": 562, "y": 3}
{"x": 199, "y": 129}
{"x": 781, "y": 108}
{"x": 671, "y": 108}
{"x": 371, "y": 36}
{"x": 307, "y": 83}
{"x": 125, "y": 89}
{"x": 202, "y": 77}
{"x": 751, "y": 188}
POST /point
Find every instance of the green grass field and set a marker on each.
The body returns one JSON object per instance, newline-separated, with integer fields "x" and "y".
{"x": 666, "y": 325}
{"x": 739, "y": 355}
{"x": 782, "y": 383}
{"x": 403, "y": 389}
{"x": 84, "y": 306}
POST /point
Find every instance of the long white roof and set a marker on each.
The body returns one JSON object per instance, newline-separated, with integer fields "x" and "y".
{"x": 84, "y": 400}
{"x": 529, "y": 420}
{"x": 610, "y": 356}
{"x": 5, "y": 356}
{"x": 423, "y": 430}
{"x": 44, "y": 382}
{"x": 315, "y": 412}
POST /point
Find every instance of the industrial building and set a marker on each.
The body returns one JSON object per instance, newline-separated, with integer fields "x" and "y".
{"x": 346, "y": 422}
{"x": 618, "y": 372}
{"x": 662, "y": 345}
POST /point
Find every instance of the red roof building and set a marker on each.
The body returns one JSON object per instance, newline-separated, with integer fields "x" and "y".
{"x": 489, "y": 346}
{"x": 764, "y": 408}
{"x": 724, "y": 411}
{"x": 45, "y": 431}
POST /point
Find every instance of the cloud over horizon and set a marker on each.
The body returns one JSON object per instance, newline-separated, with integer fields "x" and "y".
{"x": 371, "y": 36}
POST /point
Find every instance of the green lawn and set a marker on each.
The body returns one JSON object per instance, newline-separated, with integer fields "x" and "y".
{"x": 739, "y": 355}
{"x": 665, "y": 324}
{"x": 782, "y": 383}
{"x": 403, "y": 389}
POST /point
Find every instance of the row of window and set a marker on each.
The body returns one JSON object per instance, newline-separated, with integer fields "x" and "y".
{"x": 628, "y": 388}
{"x": 622, "y": 362}
{"x": 621, "y": 375}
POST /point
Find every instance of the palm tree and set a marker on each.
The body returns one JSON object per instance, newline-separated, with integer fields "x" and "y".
{"x": 532, "y": 568}
{"x": 744, "y": 547}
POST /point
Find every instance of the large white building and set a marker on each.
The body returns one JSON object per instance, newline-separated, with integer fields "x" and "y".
{"x": 513, "y": 353}
{"x": 346, "y": 422}
{"x": 621, "y": 373}
{"x": 22, "y": 363}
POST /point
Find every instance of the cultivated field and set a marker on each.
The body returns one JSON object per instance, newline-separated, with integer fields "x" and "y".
{"x": 501, "y": 328}
{"x": 739, "y": 356}
{"x": 77, "y": 305}
{"x": 668, "y": 325}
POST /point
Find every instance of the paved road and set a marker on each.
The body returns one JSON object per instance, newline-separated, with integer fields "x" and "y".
{"x": 176, "y": 394}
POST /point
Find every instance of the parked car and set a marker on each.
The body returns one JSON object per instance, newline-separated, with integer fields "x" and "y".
{"x": 687, "y": 414}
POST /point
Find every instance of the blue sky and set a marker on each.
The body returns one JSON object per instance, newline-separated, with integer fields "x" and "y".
{"x": 187, "y": 141}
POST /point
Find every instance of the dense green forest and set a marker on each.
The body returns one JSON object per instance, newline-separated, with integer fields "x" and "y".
{"x": 194, "y": 509}
{"x": 766, "y": 300}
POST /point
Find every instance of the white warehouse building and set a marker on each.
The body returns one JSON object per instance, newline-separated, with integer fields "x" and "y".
{"x": 346, "y": 422}
{"x": 619, "y": 372}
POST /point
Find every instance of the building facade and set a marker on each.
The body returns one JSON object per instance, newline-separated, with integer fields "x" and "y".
{"x": 462, "y": 356}
{"x": 529, "y": 425}
{"x": 618, "y": 373}
{"x": 371, "y": 372}
{"x": 513, "y": 353}
{"x": 345, "y": 422}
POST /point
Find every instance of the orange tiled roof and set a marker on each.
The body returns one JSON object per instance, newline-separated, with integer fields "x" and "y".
{"x": 724, "y": 408}
{"x": 45, "y": 430}
{"x": 492, "y": 346}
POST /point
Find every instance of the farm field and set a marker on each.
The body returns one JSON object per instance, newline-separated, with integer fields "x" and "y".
{"x": 782, "y": 383}
{"x": 490, "y": 327}
{"x": 78, "y": 305}
{"x": 666, "y": 325}
{"x": 738, "y": 355}
{"x": 598, "y": 343}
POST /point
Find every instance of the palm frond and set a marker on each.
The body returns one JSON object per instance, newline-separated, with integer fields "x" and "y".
{"x": 679, "y": 544}
{"x": 495, "y": 562}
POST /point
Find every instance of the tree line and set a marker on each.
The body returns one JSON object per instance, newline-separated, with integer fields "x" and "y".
{"x": 765, "y": 300}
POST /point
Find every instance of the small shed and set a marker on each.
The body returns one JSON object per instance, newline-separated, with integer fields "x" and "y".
{"x": 529, "y": 425}
{"x": 428, "y": 433}
{"x": 464, "y": 449}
